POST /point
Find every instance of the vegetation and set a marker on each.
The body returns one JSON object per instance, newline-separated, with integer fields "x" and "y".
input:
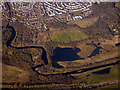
{"x": 77, "y": 13}
{"x": 67, "y": 37}
{"x": 115, "y": 29}
{"x": 88, "y": 61}
{"x": 14, "y": 74}
{"x": 117, "y": 4}
{"x": 26, "y": 36}
{"x": 110, "y": 87}
{"x": 85, "y": 22}
{"x": 60, "y": 37}
{"x": 25, "y": 67}
{"x": 76, "y": 36}
{"x": 89, "y": 78}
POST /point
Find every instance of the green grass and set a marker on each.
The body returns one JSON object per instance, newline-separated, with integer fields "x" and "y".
{"x": 76, "y": 36}
{"x": 60, "y": 37}
{"x": 66, "y": 37}
{"x": 94, "y": 78}
{"x": 77, "y": 13}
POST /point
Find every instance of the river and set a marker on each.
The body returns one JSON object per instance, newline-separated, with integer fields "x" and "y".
{"x": 44, "y": 54}
{"x": 44, "y": 57}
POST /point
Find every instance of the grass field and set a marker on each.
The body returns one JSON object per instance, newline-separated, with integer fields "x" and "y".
{"x": 113, "y": 75}
{"x": 60, "y": 37}
{"x": 76, "y": 36}
{"x": 67, "y": 37}
{"x": 85, "y": 23}
{"x": 90, "y": 78}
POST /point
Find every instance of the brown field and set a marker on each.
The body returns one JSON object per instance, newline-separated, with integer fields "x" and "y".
{"x": 14, "y": 74}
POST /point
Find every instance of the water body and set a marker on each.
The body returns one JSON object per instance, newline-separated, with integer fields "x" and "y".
{"x": 64, "y": 54}
{"x": 78, "y": 71}
{"x": 67, "y": 51}
{"x": 96, "y": 50}
{"x": 70, "y": 54}
{"x": 117, "y": 44}
{"x": 104, "y": 71}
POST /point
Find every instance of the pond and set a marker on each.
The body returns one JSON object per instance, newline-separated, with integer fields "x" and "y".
{"x": 64, "y": 54}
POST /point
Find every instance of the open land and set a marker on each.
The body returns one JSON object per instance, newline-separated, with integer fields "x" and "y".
{"x": 60, "y": 45}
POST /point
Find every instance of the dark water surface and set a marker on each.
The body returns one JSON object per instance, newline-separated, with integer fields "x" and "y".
{"x": 59, "y": 54}
{"x": 64, "y": 54}
{"x": 104, "y": 71}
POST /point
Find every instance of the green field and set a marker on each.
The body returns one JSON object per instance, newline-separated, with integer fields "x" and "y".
{"x": 60, "y": 37}
{"x": 67, "y": 37}
{"x": 90, "y": 78}
{"x": 76, "y": 36}
{"x": 77, "y": 13}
